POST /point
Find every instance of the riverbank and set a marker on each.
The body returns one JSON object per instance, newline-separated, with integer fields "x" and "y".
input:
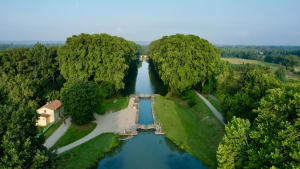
{"x": 88, "y": 154}
{"x": 195, "y": 129}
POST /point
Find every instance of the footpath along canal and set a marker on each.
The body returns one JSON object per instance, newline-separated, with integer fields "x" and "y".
{"x": 146, "y": 150}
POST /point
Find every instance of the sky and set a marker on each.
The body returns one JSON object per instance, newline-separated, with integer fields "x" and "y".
{"x": 224, "y": 22}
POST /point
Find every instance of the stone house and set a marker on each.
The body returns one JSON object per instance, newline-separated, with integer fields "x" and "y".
{"x": 50, "y": 112}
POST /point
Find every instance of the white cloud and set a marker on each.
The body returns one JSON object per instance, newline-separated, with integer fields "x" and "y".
{"x": 120, "y": 30}
{"x": 243, "y": 33}
{"x": 77, "y": 3}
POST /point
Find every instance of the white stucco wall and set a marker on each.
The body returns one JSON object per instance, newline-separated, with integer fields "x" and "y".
{"x": 48, "y": 111}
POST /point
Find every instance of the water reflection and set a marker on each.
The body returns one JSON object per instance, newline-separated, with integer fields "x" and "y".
{"x": 146, "y": 150}
{"x": 149, "y": 151}
{"x": 143, "y": 78}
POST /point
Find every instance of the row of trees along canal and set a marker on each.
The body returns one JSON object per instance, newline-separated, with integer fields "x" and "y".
{"x": 184, "y": 62}
{"x": 81, "y": 73}
{"x": 262, "y": 113}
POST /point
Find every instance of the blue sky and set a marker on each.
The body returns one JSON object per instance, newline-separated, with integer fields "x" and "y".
{"x": 227, "y": 22}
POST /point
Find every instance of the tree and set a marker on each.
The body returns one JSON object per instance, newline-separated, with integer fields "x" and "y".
{"x": 80, "y": 99}
{"x": 101, "y": 58}
{"x": 29, "y": 74}
{"x": 291, "y": 61}
{"x": 183, "y": 61}
{"x": 280, "y": 74}
{"x": 273, "y": 139}
{"x": 20, "y": 146}
{"x": 242, "y": 95}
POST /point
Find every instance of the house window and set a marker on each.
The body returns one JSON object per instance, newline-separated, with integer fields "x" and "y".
{"x": 44, "y": 111}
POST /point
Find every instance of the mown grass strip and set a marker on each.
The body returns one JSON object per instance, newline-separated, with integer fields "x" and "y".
{"x": 195, "y": 130}
{"x": 74, "y": 133}
{"x": 88, "y": 154}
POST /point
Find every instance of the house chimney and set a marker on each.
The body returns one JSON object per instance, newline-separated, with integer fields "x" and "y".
{"x": 47, "y": 103}
{"x": 50, "y": 101}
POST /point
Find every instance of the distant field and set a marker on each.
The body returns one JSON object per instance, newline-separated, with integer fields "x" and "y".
{"x": 273, "y": 66}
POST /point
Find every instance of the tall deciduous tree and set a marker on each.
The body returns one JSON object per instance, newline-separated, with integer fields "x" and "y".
{"x": 273, "y": 139}
{"x": 19, "y": 145}
{"x": 80, "y": 99}
{"x": 183, "y": 61}
{"x": 100, "y": 58}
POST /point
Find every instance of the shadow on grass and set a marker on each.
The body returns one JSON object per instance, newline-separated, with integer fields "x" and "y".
{"x": 190, "y": 128}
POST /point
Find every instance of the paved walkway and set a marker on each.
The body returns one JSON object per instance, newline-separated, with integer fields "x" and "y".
{"x": 212, "y": 108}
{"x": 110, "y": 122}
{"x": 213, "y": 97}
{"x": 58, "y": 133}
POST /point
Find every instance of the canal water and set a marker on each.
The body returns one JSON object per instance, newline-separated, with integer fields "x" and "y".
{"x": 146, "y": 150}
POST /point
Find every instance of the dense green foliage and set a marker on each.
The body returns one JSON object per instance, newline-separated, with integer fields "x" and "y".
{"x": 288, "y": 61}
{"x": 240, "y": 94}
{"x": 272, "y": 141}
{"x": 80, "y": 98}
{"x": 29, "y": 75}
{"x": 142, "y": 49}
{"x": 19, "y": 146}
{"x": 280, "y": 74}
{"x": 101, "y": 58}
{"x": 183, "y": 61}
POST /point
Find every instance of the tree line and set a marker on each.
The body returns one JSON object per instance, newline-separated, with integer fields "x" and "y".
{"x": 263, "y": 119}
{"x": 11, "y": 45}
{"x": 80, "y": 73}
{"x": 233, "y": 51}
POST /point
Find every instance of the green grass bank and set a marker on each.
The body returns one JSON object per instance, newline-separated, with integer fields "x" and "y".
{"x": 195, "y": 129}
{"x": 115, "y": 103}
{"x": 88, "y": 154}
{"x": 74, "y": 133}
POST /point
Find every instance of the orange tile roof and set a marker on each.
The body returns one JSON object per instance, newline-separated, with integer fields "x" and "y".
{"x": 45, "y": 115}
{"x": 53, "y": 105}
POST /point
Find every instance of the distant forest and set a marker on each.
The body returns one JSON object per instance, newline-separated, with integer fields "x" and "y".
{"x": 237, "y": 51}
{"x": 11, "y": 45}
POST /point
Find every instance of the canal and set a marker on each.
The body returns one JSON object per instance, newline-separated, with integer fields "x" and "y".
{"x": 146, "y": 150}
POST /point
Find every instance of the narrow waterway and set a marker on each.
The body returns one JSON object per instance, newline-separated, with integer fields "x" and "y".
{"x": 146, "y": 150}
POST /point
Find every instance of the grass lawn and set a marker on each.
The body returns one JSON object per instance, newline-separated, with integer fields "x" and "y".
{"x": 190, "y": 128}
{"x": 114, "y": 103}
{"x": 74, "y": 133}
{"x": 53, "y": 128}
{"x": 88, "y": 153}
{"x": 214, "y": 103}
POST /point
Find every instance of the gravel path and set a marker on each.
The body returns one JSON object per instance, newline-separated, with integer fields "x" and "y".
{"x": 212, "y": 108}
{"x": 58, "y": 133}
{"x": 110, "y": 122}
{"x": 213, "y": 97}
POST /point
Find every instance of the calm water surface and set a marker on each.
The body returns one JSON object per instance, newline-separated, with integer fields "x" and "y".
{"x": 147, "y": 150}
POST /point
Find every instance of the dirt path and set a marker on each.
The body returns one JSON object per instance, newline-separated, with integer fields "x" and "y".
{"x": 112, "y": 122}
{"x": 212, "y": 108}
